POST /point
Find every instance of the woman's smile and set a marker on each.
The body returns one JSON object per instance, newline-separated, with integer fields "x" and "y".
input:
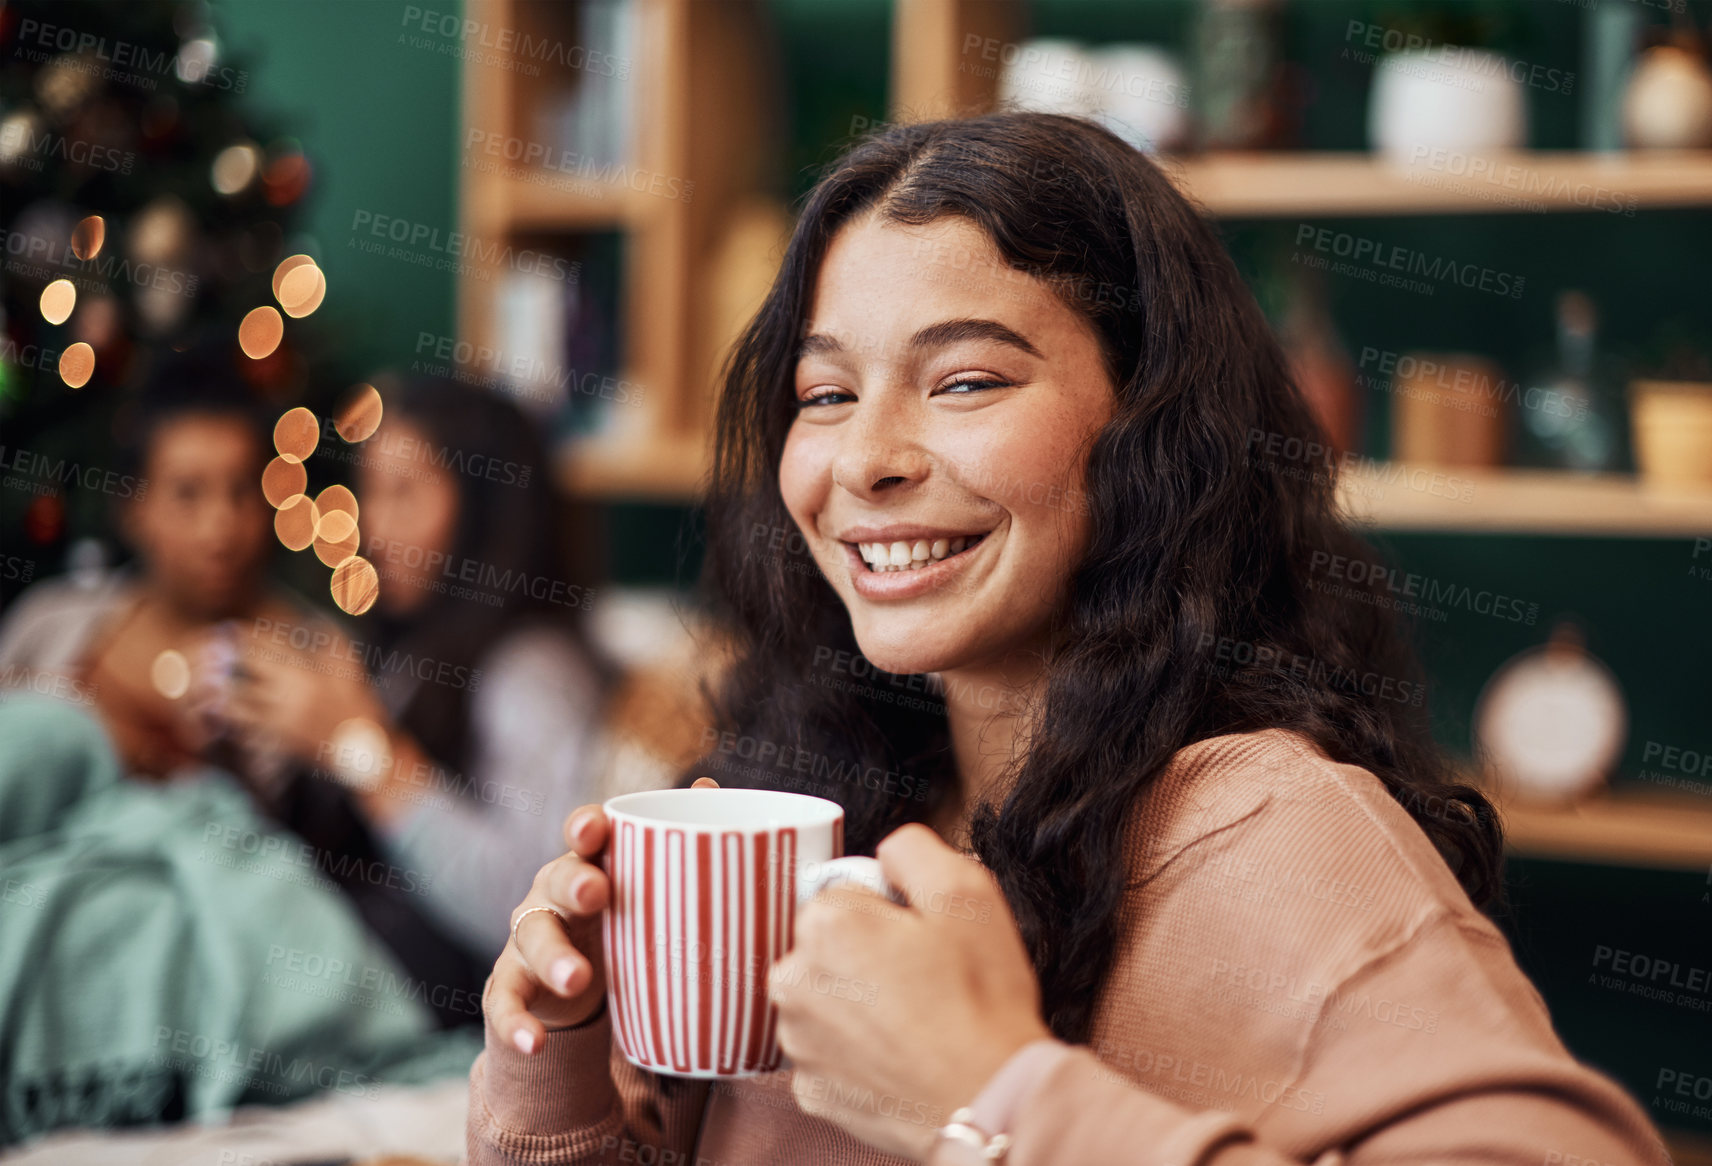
{"x": 902, "y": 562}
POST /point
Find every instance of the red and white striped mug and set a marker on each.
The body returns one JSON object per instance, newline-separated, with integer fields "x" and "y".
{"x": 705, "y": 888}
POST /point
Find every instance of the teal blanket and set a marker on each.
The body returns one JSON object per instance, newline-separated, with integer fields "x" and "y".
{"x": 165, "y": 953}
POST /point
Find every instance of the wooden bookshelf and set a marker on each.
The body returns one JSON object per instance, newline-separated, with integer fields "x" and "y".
{"x": 1624, "y": 828}
{"x": 1393, "y": 497}
{"x": 1313, "y": 185}
{"x": 696, "y": 75}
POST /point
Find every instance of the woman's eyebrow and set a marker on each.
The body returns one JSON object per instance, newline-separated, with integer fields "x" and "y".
{"x": 954, "y": 331}
{"x": 933, "y": 336}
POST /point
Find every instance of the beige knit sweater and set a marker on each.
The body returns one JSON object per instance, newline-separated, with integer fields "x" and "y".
{"x": 1300, "y": 979}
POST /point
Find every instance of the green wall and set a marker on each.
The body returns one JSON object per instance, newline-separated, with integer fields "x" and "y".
{"x": 378, "y": 118}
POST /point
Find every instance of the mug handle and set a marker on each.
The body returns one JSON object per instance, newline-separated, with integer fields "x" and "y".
{"x": 864, "y": 872}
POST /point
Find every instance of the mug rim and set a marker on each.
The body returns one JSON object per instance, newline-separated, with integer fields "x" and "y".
{"x": 811, "y": 811}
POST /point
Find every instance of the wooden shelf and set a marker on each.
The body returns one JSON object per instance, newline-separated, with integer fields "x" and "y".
{"x": 1274, "y": 185}
{"x": 1394, "y": 497}
{"x": 1620, "y": 829}
{"x": 662, "y": 469}
{"x": 577, "y": 205}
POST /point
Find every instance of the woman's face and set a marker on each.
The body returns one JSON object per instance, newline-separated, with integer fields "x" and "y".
{"x": 944, "y": 401}
{"x": 202, "y": 527}
{"x": 409, "y": 515}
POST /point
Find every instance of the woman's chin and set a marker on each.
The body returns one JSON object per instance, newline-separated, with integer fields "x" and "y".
{"x": 906, "y": 659}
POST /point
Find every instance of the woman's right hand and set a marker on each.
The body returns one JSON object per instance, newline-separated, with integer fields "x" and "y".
{"x": 552, "y": 974}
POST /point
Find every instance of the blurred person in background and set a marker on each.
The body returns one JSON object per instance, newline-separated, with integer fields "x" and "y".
{"x": 191, "y": 509}
{"x": 461, "y": 721}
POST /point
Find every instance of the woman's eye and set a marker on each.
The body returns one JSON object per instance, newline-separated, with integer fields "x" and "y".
{"x": 824, "y": 396}
{"x": 965, "y": 385}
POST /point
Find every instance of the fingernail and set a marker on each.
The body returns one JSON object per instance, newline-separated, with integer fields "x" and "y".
{"x": 579, "y": 890}
{"x": 562, "y": 973}
{"x": 524, "y": 1040}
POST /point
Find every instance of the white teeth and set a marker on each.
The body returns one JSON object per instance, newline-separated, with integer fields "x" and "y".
{"x": 911, "y": 556}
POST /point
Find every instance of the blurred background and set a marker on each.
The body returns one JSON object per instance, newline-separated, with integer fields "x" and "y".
{"x": 1483, "y": 229}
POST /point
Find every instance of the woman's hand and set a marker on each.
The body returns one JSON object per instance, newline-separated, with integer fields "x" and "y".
{"x": 894, "y": 1017}
{"x": 294, "y": 701}
{"x": 552, "y": 973}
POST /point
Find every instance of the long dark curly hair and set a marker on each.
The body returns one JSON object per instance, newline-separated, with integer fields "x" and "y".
{"x": 1195, "y": 589}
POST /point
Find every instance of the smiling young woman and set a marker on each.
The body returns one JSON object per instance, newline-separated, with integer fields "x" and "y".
{"x": 1219, "y": 896}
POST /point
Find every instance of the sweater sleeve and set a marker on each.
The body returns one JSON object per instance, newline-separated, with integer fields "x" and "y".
{"x": 577, "y": 1101}
{"x": 1431, "y": 1053}
{"x": 534, "y": 726}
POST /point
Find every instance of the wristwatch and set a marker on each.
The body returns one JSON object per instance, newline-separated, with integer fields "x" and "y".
{"x": 972, "y": 1144}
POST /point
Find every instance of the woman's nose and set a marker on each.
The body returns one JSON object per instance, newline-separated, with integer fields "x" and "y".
{"x": 882, "y": 451}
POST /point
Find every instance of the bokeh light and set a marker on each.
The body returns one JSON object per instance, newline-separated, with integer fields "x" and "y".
{"x": 261, "y": 332}
{"x": 296, "y": 433}
{"x": 335, "y": 527}
{"x": 286, "y": 266}
{"x": 337, "y": 498}
{"x": 359, "y": 414}
{"x": 335, "y": 551}
{"x": 361, "y": 753}
{"x": 77, "y": 364}
{"x": 286, "y": 178}
{"x": 302, "y": 290}
{"x": 58, "y": 301}
{"x": 355, "y": 586}
{"x": 295, "y": 522}
{"x": 88, "y": 236}
{"x": 235, "y": 168}
{"x": 282, "y": 480}
{"x": 170, "y": 674}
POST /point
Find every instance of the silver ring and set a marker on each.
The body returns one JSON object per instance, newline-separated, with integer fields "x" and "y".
{"x": 522, "y": 915}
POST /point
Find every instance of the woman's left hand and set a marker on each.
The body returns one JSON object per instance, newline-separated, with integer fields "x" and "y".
{"x": 893, "y": 1016}
{"x": 296, "y": 700}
